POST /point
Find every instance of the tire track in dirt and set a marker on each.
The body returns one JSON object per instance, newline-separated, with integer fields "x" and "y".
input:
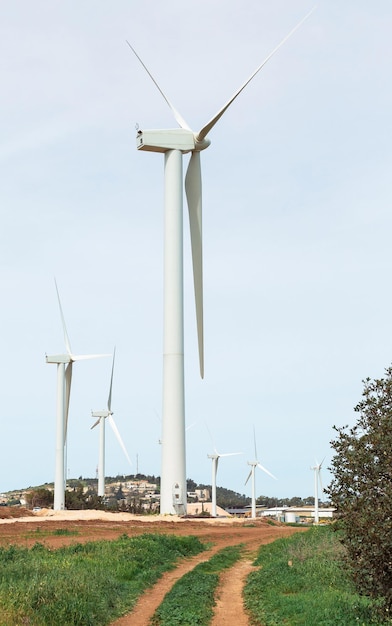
{"x": 229, "y": 610}
{"x": 229, "y": 607}
{"x": 148, "y": 603}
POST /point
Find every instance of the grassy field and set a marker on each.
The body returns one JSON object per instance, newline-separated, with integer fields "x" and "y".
{"x": 84, "y": 584}
{"x": 303, "y": 581}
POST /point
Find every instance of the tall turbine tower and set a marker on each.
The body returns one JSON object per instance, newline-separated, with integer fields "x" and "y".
{"x": 253, "y": 465}
{"x": 317, "y": 482}
{"x": 173, "y": 143}
{"x": 102, "y": 415}
{"x": 64, "y": 364}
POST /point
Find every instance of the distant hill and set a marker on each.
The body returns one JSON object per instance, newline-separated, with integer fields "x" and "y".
{"x": 226, "y": 498}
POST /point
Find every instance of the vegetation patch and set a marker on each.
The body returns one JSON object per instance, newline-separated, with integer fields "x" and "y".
{"x": 303, "y": 581}
{"x": 191, "y": 600}
{"x": 40, "y": 533}
{"x": 65, "y": 532}
{"x": 84, "y": 584}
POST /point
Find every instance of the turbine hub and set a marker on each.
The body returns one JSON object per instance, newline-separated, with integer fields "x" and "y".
{"x": 201, "y": 145}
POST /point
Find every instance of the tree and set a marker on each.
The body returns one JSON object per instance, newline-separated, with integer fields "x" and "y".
{"x": 190, "y": 484}
{"x": 361, "y": 490}
{"x": 75, "y": 499}
{"x": 40, "y": 497}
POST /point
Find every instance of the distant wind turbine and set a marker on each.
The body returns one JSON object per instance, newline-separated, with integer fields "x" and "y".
{"x": 253, "y": 465}
{"x": 317, "y": 482}
{"x": 102, "y": 415}
{"x": 173, "y": 143}
{"x": 64, "y": 364}
{"x": 215, "y": 456}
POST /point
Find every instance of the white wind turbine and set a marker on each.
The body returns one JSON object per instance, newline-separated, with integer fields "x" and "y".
{"x": 64, "y": 364}
{"x": 173, "y": 143}
{"x": 102, "y": 415}
{"x": 215, "y": 456}
{"x": 253, "y": 465}
{"x": 317, "y": 482}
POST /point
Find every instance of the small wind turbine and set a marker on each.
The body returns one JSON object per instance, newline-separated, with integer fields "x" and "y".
{"x": 102, "y": 415}
{"x": 317, "y": 482}
{"x": 215, "y": 456}
{"x": 64, "y": 364}
{"x": 173, "y": 143}
{"x": 253, "y": 465}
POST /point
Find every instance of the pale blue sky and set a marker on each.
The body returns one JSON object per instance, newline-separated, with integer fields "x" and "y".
{"x": 297, "y": 223}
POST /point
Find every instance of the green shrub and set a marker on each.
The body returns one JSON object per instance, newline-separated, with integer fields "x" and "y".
{"x": 361, "y": 490}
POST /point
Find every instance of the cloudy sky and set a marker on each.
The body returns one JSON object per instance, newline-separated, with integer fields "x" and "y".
{"x": 297, "y": 223}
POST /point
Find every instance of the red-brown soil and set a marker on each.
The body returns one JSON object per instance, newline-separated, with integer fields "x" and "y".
{"x": 27, "y": 531}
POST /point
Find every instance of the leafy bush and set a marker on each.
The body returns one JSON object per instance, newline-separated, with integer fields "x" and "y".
{"x": 361, "y": 490}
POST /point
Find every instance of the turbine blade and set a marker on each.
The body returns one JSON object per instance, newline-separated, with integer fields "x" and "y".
{"x": 66, "y": 338}
{"x": 254, "y": 441}
{"x": 84, "y": 357}
{"x": 120, "y": 441}
{"x": 96, "y": 423}
{"x": 179, "y": 119}
{"x": 111, "y": 383}
{"x": 250, "y": 474}
{"x": 212, "y": 440}
{"x": 68, "y": 380}
{"x": 266, "y": 471}
{"x": 320, "y": 481}
{"x": 193, "y": 194}
{"x": 231, "y": 453}
{"x": 206, "y": 129}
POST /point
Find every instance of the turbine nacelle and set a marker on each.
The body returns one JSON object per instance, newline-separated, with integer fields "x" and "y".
{"x": 181, "y": 139}
{"x": 105, "y": 413}
{"x": 100, "y": 415}
{"x": 59, "y": 358}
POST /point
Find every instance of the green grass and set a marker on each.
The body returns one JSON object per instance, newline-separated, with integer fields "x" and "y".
{"x": 191, "y": 600}
{"x": 84, "y": 584}
{"x": 39, "y": 533}
{"x": 65, "y": 532}
{"x": 303, "y": 581}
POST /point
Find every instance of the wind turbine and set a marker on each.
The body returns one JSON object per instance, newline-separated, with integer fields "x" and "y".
{"x": 317, "y": 482}
{"x": 253, "y": 465}
{"x": 64, "y": 364}
{"x": 215, "y": 456}
{"x": 173, "y": 143}
{"x": 102, "y": 415}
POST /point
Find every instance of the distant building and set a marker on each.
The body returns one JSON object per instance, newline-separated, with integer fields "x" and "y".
{"x": 203, "y": 494}
{"x": 288, "y": 514}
